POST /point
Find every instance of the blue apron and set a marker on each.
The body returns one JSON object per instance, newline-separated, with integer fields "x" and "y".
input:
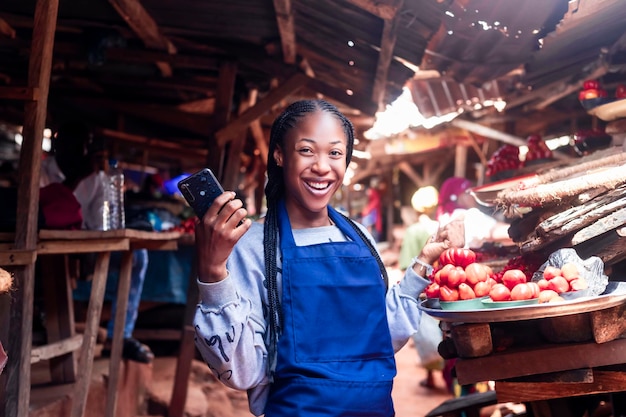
{"x": 335, "y": 356}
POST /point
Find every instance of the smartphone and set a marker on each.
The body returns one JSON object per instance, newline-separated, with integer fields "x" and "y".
{"x": 200, "y": 189}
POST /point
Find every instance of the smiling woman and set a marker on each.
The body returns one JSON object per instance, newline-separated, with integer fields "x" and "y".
{"x": 297, "y": 310}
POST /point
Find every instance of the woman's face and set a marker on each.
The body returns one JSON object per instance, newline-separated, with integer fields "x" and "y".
{"x": 314, "y": 164}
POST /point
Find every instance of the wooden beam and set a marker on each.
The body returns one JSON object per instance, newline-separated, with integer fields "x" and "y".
{"x": 221, "y": 116}
{"x": 357, "y": 101}
{"x": 56, "y": 349}
{"x": 20, "y": 93}
{"x": 6, "y": 30}
{"x": 144, "y": 26}
{"x": 163, "y": 146}
{"x": 166, "y": 115}
{"x": 143, "y": 56}
{"x": 17, "y": 257}
{"x": 284, "y": 18}
{"x": 17, "y": 394}
{"x": 387, "y": 45}
{"x": 489, "y": 132}
{"x": 385, "y": 9}
{"x": 540, "y": 360}
{"x": 290, "y": 86}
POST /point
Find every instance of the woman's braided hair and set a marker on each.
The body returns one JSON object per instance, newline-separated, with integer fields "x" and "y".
{"x": 275, "y": 191}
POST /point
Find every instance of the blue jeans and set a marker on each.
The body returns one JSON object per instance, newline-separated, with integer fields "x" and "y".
{"x": 137, "y": 278}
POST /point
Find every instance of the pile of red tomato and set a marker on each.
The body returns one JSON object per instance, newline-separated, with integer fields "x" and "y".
{"x": 504, "y": 158}
{"x": 537, "y": 149}
{"x": 460, "y": 277}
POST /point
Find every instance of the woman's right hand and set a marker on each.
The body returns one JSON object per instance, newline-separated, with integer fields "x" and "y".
{"x": 216, "y": 235}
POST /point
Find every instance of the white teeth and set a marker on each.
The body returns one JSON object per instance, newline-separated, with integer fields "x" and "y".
{"x": 318, "y": 185}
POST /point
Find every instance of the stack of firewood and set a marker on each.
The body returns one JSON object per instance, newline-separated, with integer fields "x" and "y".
{"x": 581, "y": 206}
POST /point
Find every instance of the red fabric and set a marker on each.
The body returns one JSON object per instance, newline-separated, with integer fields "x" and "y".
{"x": 449, "y": 194}
{"x": 60, "y": 208}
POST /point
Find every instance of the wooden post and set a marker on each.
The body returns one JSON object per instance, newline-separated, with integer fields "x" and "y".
{"x": 17, "y": 398}
{"x": 221, "y": 115}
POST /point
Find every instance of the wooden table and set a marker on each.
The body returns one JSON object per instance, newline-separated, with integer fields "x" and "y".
{"x": 55, "y": 242}
{"x": 546, "y": 362}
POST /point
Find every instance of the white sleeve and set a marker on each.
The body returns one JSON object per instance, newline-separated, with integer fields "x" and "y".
{"x": 403, "y": 314}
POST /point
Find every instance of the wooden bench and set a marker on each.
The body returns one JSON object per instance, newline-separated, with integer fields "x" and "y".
{"x": 470, "y": 405}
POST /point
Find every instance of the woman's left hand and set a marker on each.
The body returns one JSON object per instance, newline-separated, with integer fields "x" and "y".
{"x": 452, "y": 235}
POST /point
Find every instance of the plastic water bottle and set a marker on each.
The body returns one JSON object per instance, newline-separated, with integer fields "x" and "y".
{"x": 116, "y": 196}
{"x": 104, "y": 178}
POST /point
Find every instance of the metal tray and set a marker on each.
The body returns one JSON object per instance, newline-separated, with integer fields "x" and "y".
{"x": 614, "y": 295}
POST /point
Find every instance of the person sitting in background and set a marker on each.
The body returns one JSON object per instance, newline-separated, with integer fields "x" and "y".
{"x": 79, "y": 170}
{"x": 427, "y": 338}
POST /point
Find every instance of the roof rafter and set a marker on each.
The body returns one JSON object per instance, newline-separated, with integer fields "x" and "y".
{"x": 286, "y": 27}
{"x": 140, "y": 21}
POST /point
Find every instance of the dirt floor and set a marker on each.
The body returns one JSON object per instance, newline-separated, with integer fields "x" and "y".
{"x": 206, "y": 397}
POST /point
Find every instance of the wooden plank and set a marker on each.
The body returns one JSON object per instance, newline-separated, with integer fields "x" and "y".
{"x": 17, "y": 257}
{"x": 123, "y": 289}
{"x": 387, "y": 45}
{"x": 20, "y": 93}
{"x": 181, "y": 377}
{"x": 385, "y": 9}
{"x": 232, "y": 170}
{"x": 17, "y": 394}
{"x": 603, "y": 382}
{"x": 356, "y": 100}
{"x": 96, "y": 245}
{"x": 56, "y": 349}
{"x": 284, "y": 18}
{"x": 290, "y": 86}
{"x": 6, "y": 29}
{"x": 87, "y": 235}
{"x": 96, "y": 299}
{"x": 608, "y": 222}
{"x": 221, "y": 116}
{"x": 155, "y": 245}
{"x": 166, "y": 147}
{"x": 59, "y": 307}
{"x": 540, "y": 360}
{"x": 145, "y": 27}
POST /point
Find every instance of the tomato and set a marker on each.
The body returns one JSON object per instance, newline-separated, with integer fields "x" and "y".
{"x": 512, "y": 277}
{"x": 550, "y": 272}
{"x": 475, "y": 273}
{"x": 589, "y": 84}
{"x": 546, "y": 295}
{"x": 432, "y": 291}
{"x": 457, "y": 257}
{"x": 466, "y": 292}
{"x": 569, "y": 271}
{"x": 534, "y": 288}
{"x": 448, "y": 294}
{"x": 500, "y": 292}
{"x": 543, "y": 284}
{"x": 578, "y": 284}
{"x": 456, "y": 277}
{"x": 482, "y": 288}
{"x": 521, "y": 292}
{"x": 441, "y": 276}
{"x": 558, "y": 284}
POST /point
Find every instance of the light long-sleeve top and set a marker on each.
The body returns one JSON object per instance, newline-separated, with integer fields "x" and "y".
{"x": 231, "y": 317}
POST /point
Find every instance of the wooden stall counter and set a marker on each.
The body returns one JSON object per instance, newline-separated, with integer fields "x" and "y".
{"x": 540, "y": 354}
{"x": 62, "y": 340}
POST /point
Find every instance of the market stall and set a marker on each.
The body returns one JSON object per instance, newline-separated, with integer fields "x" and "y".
{"x": 550, "y": 346}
